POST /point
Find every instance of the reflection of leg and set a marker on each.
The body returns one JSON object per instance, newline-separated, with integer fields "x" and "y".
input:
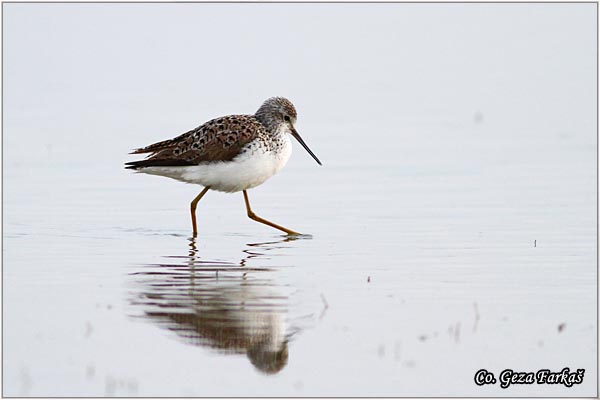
{"x": 193, "y": 248}
{"x": 192, "y": 262}
{"x": 255, "y": 217}
{"x": 193, "y": 208}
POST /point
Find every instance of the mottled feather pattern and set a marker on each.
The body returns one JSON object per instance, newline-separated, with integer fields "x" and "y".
{"x": 220, "y": 139}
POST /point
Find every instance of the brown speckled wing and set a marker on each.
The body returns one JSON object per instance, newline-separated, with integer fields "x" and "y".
{"x": 220, "y": 139}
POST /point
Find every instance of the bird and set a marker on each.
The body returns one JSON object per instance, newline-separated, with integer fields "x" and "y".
{"x": 228, "y": 154}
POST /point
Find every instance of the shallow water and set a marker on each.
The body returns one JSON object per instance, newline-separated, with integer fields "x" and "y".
{"x": 449, "y": 241}
{"x": 105, "y": 289}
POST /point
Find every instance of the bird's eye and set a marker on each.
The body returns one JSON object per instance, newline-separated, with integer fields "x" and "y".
{"x": 287, "y": 118}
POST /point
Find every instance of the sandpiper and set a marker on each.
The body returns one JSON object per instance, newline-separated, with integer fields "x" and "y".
{"x": 228, "y": 154}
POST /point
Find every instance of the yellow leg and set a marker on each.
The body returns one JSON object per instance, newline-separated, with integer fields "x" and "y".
{"x": 193, "y": 208}
{"x": 255, "y": 217}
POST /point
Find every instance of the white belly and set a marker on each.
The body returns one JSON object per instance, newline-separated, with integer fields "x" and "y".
{"x": 243, "y": 172}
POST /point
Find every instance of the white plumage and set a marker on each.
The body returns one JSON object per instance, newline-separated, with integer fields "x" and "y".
{"x": 249, "y": 169}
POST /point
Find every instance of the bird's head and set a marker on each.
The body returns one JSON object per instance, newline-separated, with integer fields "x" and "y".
{"x": 278, "y": 113}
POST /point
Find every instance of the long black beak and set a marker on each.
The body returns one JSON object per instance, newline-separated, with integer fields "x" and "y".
{"x": 299, "y": 139}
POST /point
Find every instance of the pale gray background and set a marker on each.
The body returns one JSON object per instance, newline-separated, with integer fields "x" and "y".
{"x": 452, "y": 137}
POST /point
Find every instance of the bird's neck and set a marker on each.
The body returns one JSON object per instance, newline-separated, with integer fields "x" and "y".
{"x": 272, "y": 125}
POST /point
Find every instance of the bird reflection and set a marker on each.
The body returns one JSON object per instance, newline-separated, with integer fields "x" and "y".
{"x": 228, "y": 307}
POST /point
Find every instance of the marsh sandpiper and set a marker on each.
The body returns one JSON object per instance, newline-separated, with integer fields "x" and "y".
{"x": 228, "y": 154}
